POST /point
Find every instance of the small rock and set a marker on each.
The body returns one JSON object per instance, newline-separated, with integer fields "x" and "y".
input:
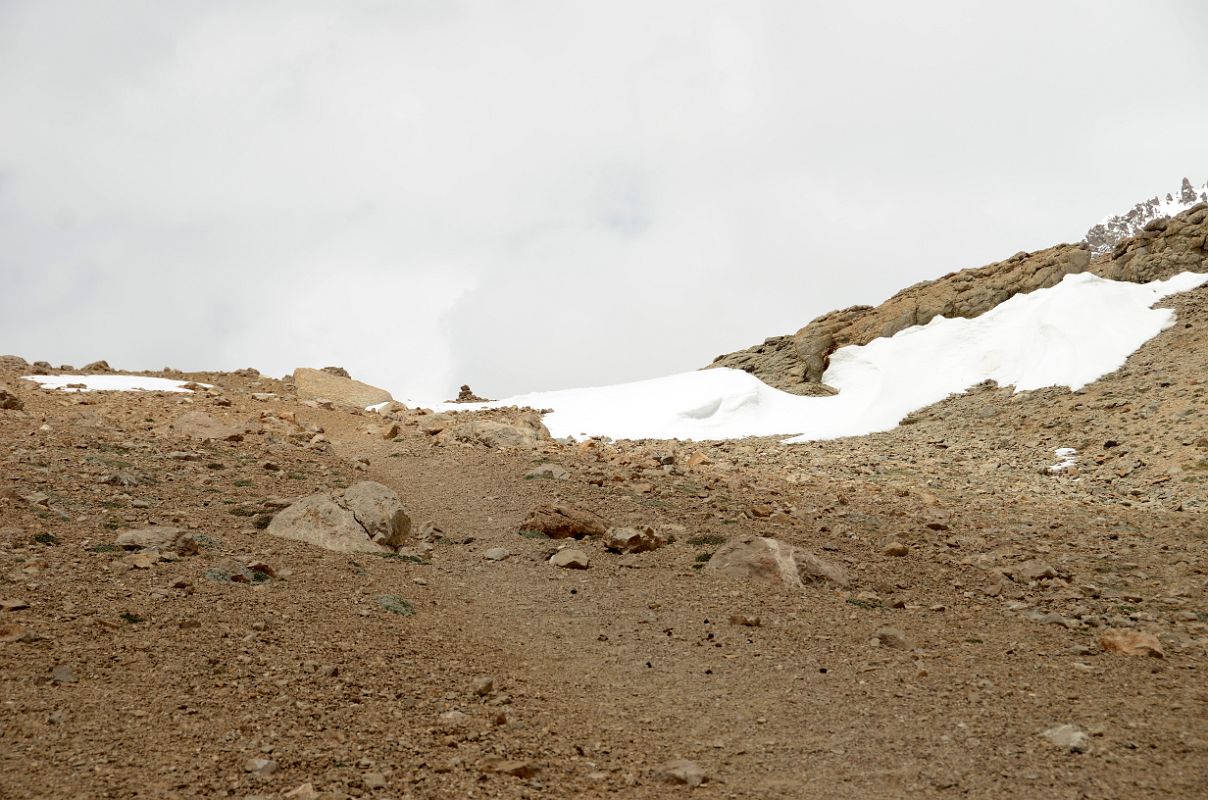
{"x": 261, "y": 767}
{"x": 483, "y": 685}
{"x": 496, "y": 554}
{"x": 155, "y": 537}
{"x": 306, "y": 791}
{"x": 570, "y": 558}
{"x": 896, "y": 549}
{"x": 374, "y": 780}
{"x": 454, "y": 719}
{"x": 892, "y": 638}
{"x": 63, "y": 674}
{"x": 141, "y": 560}
{"x": 1069, "y": 737}
{"x": 639, "y": 539}
{"x": 745, "y": 619}
{"x": 10, "y": 401}
{"x": 11, "y": 633}
{"x": 683, "y": 772}
{"x": 547, "y": 471}
{"x": 1131, "y": 643}
{"x": 502, "y": 766}
{"x": 13, "y": 604}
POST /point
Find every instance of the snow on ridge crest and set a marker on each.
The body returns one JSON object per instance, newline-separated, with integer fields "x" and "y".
{"x": 1102, "y": 238}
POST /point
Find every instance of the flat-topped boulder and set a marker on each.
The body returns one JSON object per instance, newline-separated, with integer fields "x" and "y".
{"x": 317, "y": 384}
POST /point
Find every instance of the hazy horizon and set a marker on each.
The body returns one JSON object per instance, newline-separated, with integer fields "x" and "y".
{"x": 549, "y": 194}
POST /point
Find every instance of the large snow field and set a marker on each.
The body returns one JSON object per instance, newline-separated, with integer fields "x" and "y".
{"x": 1068, "y": 335}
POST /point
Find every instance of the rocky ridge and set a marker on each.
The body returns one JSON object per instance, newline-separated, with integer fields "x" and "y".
{"x": 796, "y": 363}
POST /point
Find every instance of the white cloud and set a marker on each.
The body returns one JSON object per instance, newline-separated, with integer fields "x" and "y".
{"x": 541, "y": 194}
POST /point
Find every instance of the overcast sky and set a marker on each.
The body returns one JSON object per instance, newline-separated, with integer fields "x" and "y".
{"x": 535, "y": 195}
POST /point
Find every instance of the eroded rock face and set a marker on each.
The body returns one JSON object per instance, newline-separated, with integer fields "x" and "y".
{"x": 796, "y": 363}
{"x": 317, "y": 384}
{"x": 365, "y": 517}
{"x": 771, "y": 560}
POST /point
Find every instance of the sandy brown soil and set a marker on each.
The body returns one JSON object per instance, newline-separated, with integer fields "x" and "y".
{"x": 119, "y": 681}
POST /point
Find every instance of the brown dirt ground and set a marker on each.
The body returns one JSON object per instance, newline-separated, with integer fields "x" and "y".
{"x": 602, "y": 675}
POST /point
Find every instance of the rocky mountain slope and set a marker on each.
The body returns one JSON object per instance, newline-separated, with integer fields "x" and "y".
{"x": 796, "y": 363}
{"x": 241, "y": 590}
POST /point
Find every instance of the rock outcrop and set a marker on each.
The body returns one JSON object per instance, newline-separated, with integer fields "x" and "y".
{"x": 319, "y": 384}
{"x": 796, "y": 363}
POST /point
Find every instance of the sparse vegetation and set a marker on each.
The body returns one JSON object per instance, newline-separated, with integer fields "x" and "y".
{"x": 396, "y": 605}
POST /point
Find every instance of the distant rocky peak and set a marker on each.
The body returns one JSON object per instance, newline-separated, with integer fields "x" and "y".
{"x": 1102, "y": 238}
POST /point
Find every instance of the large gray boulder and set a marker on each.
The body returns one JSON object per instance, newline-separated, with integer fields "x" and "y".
{"x": 366, "y": 517}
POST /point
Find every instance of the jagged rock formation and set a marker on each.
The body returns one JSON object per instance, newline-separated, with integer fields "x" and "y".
{"x": 796, "y": 363}
{"x": 1103, "y": 238}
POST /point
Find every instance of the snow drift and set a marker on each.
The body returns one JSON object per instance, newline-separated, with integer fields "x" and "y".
{"x": 1068, "y": 335}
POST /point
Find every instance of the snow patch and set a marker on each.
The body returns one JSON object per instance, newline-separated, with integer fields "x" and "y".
{"x": 1068, "y": 335}
{"x": 109, "y": 383}
{"x": 1067, "y": 457}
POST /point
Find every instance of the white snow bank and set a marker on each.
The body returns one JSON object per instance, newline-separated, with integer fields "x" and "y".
{"x": 1068, "y": 335}
{"x": 108, "y": 383}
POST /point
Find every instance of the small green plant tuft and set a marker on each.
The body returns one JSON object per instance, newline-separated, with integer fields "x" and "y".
{"x": 710, "y": 539}
{"x": 528, "y": 534}
{"x": 46, "y": 538}
{"x": 396, "y": 605}
{"x": 133, "y": 619}
{"x": 106, "y": 548}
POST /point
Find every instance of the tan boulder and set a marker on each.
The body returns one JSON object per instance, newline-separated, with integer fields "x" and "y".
{"x": 1131, "y": 643}
{"x": 570, "y": 558}
{"x": 563, "y": 522}
{"x": 366, "y": 517}
{"x": 9, "y": 400}
{"x": 760, "y": 558}
{"x": 317, "y": 384}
